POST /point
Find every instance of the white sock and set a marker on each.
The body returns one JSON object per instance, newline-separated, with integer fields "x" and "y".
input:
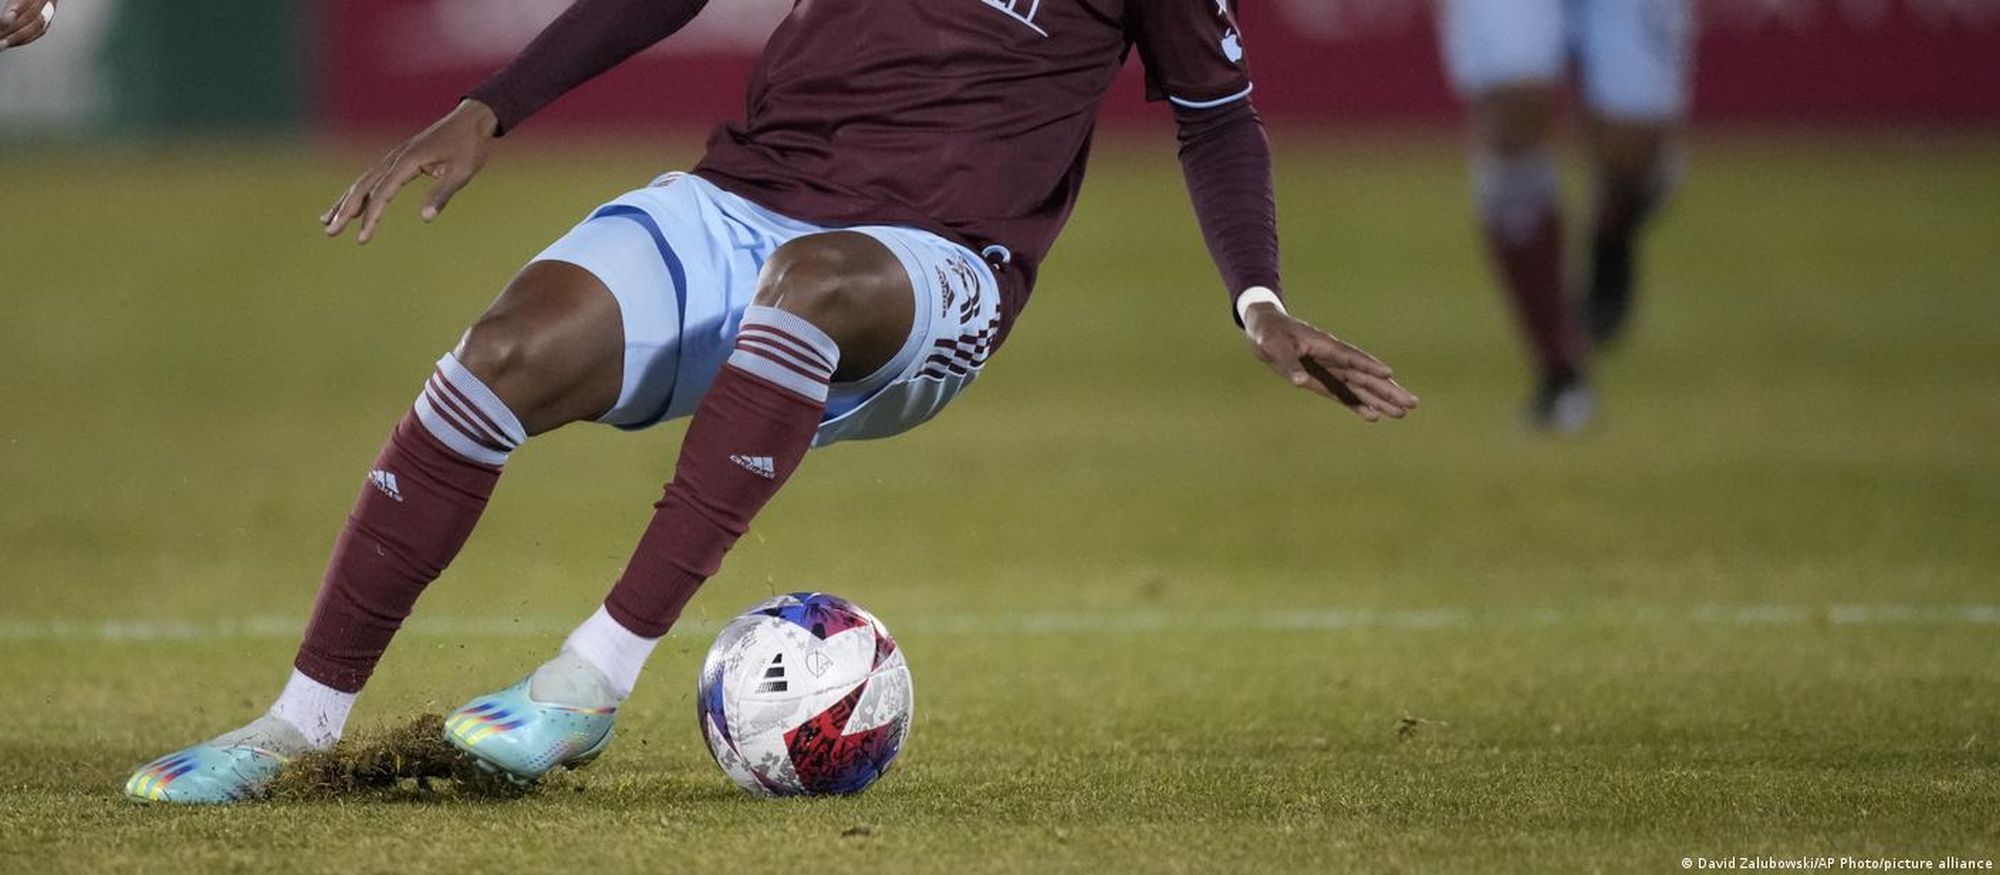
{"x": 616, "y": 651}
{"x": 315, "y": 709}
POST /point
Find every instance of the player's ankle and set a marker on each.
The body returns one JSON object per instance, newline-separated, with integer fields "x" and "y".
{"x": 316, "y": 711}
{"x": 616, "y": 652}
{"x": 573, "y": 681}
{"x": 270, "y": 732}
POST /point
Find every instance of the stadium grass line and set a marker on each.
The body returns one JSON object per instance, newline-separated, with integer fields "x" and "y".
{"x": 1083, "y": 623}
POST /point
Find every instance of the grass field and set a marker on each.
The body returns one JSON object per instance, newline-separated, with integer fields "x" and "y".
{"x": 1162, "y": 612}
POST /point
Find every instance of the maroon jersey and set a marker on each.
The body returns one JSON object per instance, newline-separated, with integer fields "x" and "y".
{"x": 971, "y": 118}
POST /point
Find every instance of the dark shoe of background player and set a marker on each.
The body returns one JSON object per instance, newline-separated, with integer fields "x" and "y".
{"x": 1607, "y": 307}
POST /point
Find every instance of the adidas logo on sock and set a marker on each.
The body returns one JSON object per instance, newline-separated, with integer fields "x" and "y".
{"x": 385, "y": 481}
{"x": 758, "y": 465}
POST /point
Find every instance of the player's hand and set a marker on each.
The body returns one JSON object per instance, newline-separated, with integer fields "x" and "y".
{"x": 1317, "y": 361}
{"x": 24, "y": 21}
{"x": 450, "y": 151}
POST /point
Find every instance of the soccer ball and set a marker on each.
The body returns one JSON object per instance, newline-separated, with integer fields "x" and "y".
{"x": 804, "y": 695}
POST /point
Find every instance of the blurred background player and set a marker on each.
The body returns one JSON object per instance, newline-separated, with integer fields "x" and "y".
{"x": 1510, "y": 59}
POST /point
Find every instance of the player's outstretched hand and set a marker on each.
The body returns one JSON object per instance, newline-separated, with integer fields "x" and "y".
{"x": 24, "y": 21}
{"x": 1315, "y": 360}
{"x": 450, "y": 151}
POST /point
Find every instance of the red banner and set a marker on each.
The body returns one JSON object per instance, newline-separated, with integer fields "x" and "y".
{"x": 402, "y": 62}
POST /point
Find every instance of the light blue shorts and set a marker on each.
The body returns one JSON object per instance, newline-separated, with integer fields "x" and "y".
{"x": 682, "y": 257}
{"x": 1633, "y": 56}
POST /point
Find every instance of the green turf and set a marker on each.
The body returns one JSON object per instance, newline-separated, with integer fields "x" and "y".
{"x": 1163, "y": 613}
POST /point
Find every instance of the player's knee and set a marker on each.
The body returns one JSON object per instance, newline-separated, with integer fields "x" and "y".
{"x": 529, "y": 369}
{"x": 1518, "y": 119}
{"x": 1636, "y": 158}
{"x": 501, "y": 347}
{"x": 848, "y": 285}
{"x": 825, "y": 278}
{"x": 1515, "y": 194}
{"x": 550, "y": 348}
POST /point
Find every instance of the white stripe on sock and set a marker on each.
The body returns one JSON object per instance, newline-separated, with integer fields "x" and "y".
{"x": 781, "y": 375}
{"x": 451, "y": 436}
{"x": 793, "y": 327}
{"x": 465, "y": 415}
{"x": 483, "y": 399}
{"x": 786, "y": 343}
{"x": 763, "y": 346}
{"x": 786, "y": 350}
{"x": 462, "y": 415}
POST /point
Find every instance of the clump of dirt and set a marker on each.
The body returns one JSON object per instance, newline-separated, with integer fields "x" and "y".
{"x": 1408, "y": 728}
{"x": 408, "y": 759}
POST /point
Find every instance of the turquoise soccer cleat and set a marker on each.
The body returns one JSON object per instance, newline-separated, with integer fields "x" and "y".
{"x": 522, "y": 737}
{"x": 229, "y": 768}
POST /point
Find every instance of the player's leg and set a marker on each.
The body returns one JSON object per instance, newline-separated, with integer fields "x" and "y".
{"x": 1508, "y": 59}
{"x": 1635, "y": 59}
{"x": 546, "y": 353}
{"x": 829, "y": 307}
{"x": 1637, "y": 165}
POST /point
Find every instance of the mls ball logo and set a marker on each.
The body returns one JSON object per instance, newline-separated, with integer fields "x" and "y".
{"x": 818, "y": 662}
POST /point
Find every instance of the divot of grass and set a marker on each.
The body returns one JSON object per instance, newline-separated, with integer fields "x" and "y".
{"x": 410, "y": 760}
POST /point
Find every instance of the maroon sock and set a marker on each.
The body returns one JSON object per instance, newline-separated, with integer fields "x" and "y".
{"x": 1531, "y": 267}
{"x": 420, "y": 503}
{"x": 749, "y": 433}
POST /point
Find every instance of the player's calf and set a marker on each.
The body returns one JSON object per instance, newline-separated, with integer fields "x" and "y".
{"x": 1637, "y": 169}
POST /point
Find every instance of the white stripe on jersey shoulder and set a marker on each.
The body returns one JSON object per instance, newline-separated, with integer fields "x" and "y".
{"x": 1211, "y": 104}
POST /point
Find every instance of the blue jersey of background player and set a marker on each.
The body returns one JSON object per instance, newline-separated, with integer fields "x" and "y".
{"x": 1631, "y": 61}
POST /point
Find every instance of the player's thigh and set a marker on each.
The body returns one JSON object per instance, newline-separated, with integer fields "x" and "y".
{"x": 1493, "y": 44}
{"x": 1519, "y": 118}
{"x": 849, "y": 285}
{"x": 678, "y": 270}
{"x": 1636, "y": 151}
{"x": 1636, "y": 58}
{"x": 954, "y": 322}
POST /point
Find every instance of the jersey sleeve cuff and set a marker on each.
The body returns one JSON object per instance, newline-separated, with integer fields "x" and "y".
{"x": 1253, "y": 296}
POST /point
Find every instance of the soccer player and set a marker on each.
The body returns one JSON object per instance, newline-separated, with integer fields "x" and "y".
{"x": 839, "y": 266}
{"x": 1508, "y": 58}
